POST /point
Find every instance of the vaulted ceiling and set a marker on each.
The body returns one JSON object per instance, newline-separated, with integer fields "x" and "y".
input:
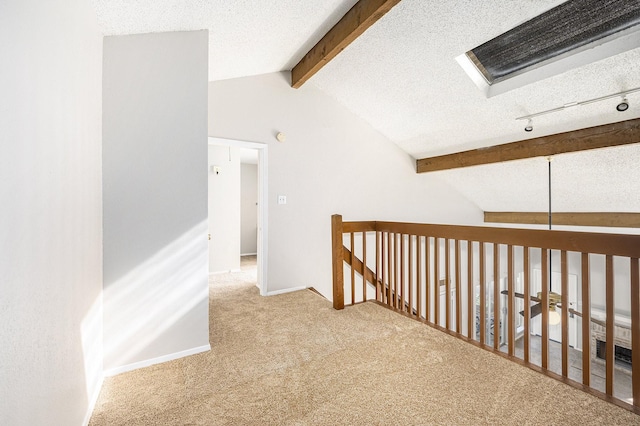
{"x": 401, "y": 76}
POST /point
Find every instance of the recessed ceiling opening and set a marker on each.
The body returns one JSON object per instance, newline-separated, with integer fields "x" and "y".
{"x": 571, "y": 34}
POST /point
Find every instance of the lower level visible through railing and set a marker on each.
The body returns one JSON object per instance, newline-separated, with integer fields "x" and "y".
{"x": 558, "y": 302}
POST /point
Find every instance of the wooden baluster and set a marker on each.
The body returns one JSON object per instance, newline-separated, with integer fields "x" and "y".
{"x": 458, "y": 290}
{"x": 337, "y": 261}
{"x": 436, "y": 267}
{"x": 545, "y": 308}
{"x": 419, "y": 276}
{"x": 511, "y": 301}
{"x": 392, "y": 270}
{"x": 527, "y": 302}
{"x": 427, "y": 292}
{"x": 394, "y": 274}
{"x": 447, "y": 284}
{"x": 387, "y": 241}
{"x": 388, "y": 290}
{"x": 353, "y": 268}
{"x": 395, "y": 271}
{"x": 611, "y": 319}
{"x": 410, "y": 289}
{"x": 403, "y": 296}
{"x": 377, "y": 271}
{"x": 389, "y": 274}
{"x": 470, "y": 296}
{"x": 389, "y": 269}
{"x": 586, "y": 322}
{"x": 386, "y": 272}
{"x": 496, "y": 296}
{"x": 635, "y": 331}
{"x": 483, "y": 296}
{"x": 364, "y": 266}
{"x": 565, "y": 312}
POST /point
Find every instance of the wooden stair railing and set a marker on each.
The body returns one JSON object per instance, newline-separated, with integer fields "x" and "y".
{"x": 356, "y": 267}
{"x": 397, "y": 265}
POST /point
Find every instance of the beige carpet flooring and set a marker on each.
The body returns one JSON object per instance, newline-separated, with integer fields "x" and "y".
{"x": 293, "y": 360}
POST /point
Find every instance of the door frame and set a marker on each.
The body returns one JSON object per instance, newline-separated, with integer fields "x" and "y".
{"x": 262, "y": 203}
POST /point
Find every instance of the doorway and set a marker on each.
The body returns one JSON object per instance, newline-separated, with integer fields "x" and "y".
{"x": 227, "y": 240}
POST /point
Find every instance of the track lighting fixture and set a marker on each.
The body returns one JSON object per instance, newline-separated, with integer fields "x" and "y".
{"x": 623, "y": 106}
{"x": 529, "y": 126}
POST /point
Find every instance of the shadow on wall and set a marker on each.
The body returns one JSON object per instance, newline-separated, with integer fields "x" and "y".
{"x": 167, "y": 290}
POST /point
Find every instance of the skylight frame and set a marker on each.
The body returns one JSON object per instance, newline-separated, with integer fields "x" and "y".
{"x": 599, "y": 49}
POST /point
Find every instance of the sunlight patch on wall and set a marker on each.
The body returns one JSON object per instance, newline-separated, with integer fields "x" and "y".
{"x": 155, "y": 296}
{"x": 91, "y": 336}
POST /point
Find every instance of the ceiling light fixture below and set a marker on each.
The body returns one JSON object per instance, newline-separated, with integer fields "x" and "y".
{"x": 623, "y": 106}
{"x": 554, "y": 316}
{"x": 529, "y": 126}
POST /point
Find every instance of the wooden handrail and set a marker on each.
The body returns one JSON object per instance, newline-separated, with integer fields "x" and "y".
{"x": 587, "y": 242}
{"x": 415, "y": 263}
{"x": 368, "y": 226}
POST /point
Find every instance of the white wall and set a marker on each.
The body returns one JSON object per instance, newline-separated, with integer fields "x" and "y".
{"x": 331, "y": 162}
{"x": 155, "y": 196}
{"x": 224, "y": 209}
{"x": 51, "y": 214}
{"x": 248, "y": 208}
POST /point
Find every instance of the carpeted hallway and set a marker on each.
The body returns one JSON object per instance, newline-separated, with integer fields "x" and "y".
{"x": 293, "y": 360}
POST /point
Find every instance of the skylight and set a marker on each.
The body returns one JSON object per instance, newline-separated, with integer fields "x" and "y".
{"x": 589, "y": 29}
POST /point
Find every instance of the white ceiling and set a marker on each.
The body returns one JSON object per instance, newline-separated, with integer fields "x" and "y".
{"x": 401, "y": 76}
{"x": 246, "y": 37}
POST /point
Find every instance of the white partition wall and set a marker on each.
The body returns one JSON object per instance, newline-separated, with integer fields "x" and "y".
{"x": 155, "y": 198}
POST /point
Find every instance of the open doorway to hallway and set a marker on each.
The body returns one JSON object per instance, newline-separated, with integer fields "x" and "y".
{"x": 248, "y": 207}
{"x": 237, "y": 208}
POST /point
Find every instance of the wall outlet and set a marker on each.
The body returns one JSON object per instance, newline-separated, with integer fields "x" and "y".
{"x": 282, "y": 199}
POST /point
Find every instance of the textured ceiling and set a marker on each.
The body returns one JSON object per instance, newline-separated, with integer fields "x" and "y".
{"x": 402, "y": 78}
{"x": 413, "y": 91}
{"x": 246, "y": 37}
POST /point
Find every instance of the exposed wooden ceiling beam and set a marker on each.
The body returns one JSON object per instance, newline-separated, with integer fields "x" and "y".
{"x": 615, "y": 220}
{"x": 356, "y": 21}
{"x": 608, "y": 135}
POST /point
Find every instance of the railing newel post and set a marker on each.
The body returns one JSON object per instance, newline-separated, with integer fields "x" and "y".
{"x": 337, "y": 255}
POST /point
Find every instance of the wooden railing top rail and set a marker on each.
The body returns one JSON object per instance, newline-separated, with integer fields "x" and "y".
{"x": 585, "y": 242}
{"x": 367, "y": 226}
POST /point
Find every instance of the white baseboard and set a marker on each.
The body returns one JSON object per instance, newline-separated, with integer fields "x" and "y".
{"x": 158, "y": 360}
{"x": 286, "y": 290}
{"x": 248, "y": 254}
{"x": 92, "y": 402}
